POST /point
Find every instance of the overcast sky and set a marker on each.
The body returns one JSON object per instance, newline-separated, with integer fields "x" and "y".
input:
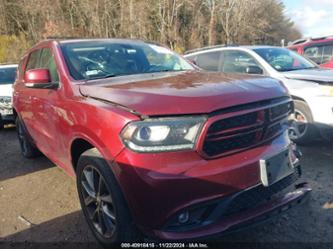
{"x": 312, "y": 17}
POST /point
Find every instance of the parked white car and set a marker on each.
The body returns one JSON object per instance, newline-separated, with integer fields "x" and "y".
{"x": 7, "y": 78}
{"x": 310, "y": 86}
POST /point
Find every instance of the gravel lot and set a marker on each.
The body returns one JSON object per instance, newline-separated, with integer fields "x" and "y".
{"x": 38, "y": 202}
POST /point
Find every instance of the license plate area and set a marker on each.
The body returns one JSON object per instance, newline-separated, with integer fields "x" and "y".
{"x": 274, "y": 168}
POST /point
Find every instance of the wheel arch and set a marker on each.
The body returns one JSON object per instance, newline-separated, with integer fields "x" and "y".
{"x": 82, "y": 142}
{"x": 298, "y": 98}
{"x": 78, "y": 147}
{"x": 306, "y": 102}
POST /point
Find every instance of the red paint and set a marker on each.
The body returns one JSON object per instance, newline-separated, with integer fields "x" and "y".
{"x": 155, "y": 185}
{"x": 37, "y": 76}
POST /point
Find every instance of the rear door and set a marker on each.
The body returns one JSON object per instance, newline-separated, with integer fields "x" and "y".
{"x": 210, "y": 61}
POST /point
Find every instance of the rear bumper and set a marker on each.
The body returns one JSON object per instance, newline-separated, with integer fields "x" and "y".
{"x": 244, "y": 219}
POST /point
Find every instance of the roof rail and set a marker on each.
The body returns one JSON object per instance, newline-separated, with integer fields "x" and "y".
{"x": 321, "y": 37}
{"x": 209, "y": 47}
{"x": 302, "y": 40}
{"x": 64, "y": 37}
{"x": 106, "y": 38}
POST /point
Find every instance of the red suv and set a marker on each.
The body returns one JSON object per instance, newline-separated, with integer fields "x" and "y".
{"x": 158, "y": 148}
{"x": 320, "y": 50}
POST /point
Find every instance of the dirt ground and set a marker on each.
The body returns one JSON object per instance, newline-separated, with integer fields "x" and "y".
{"x": 39, "y": 203}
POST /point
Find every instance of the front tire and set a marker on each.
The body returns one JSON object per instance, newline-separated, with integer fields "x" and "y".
{"x": 102, "y": 202}
{"x": 302, "y": 130}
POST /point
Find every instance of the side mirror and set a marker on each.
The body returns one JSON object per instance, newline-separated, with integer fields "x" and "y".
{"x": 39, "y": 78}
{"x": 254, "y": 70}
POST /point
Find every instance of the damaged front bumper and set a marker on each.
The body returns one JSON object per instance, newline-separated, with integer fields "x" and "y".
{"x": 239, "y": 211}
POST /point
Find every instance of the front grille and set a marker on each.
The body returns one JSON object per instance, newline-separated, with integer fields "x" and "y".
{"x": 229, "y": 123}
{"x": 280, "y": 110}
{"x": 239, "y": 132}
{"x": 227, "y": 144}
{"x": 273, "y": 130}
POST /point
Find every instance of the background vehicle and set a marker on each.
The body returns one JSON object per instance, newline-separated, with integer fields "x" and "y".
{"x": 310, "y": 86}
{"x": 153, "y": 148}
{"x": 319, "y": 50}
{"x": 7, "y": 78}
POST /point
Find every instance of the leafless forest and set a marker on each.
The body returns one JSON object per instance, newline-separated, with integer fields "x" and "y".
{"x": 179, "y": 24}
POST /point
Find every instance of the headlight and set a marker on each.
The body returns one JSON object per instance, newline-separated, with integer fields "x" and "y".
{"x": 164, "y": 134}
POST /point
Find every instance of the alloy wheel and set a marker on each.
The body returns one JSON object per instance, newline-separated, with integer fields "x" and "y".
{"x": 98, "y": 201}
{"x": 299, "y": 126}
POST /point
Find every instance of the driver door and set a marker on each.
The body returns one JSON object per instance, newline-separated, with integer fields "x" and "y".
{"x": 46, "y": 113}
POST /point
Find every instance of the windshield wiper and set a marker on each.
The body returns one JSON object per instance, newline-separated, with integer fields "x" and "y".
{"x": 104, "y": 77}
{"x": 169, "y": 70}
{"x": 306, "y": 68}
{"x": 295, "y": 69}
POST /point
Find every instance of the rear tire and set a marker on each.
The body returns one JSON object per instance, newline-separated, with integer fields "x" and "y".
{"x": 102, "y": 201}
{"x": 28, "y": 149}
{"x": 302, "y": 130}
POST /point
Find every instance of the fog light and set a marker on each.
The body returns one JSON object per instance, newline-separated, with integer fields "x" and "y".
{"x": 183, "y": 217}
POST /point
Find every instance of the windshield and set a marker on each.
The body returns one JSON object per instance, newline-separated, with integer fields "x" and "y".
{"x": 283, "y": 60}
{"x": 102, "y": 59}
{"x": 7, "y": 75}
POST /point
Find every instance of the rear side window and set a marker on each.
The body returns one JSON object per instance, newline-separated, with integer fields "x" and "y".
{"x": 314, "y": 53}
{"x": 320, "y": 53}
{"x": 33, "y": 60}
{"x": 47, "y": 61}
{"x": 209, "y": 61}
{"x": 237, "y": 61}
{"x": 327, "y": 53}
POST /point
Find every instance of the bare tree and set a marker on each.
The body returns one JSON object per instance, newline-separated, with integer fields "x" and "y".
{"x": 179, "y": 24}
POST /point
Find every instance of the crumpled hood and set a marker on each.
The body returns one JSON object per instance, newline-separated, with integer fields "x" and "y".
{"x": 182, "y": 92}
{"x": 318, "y": 75}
